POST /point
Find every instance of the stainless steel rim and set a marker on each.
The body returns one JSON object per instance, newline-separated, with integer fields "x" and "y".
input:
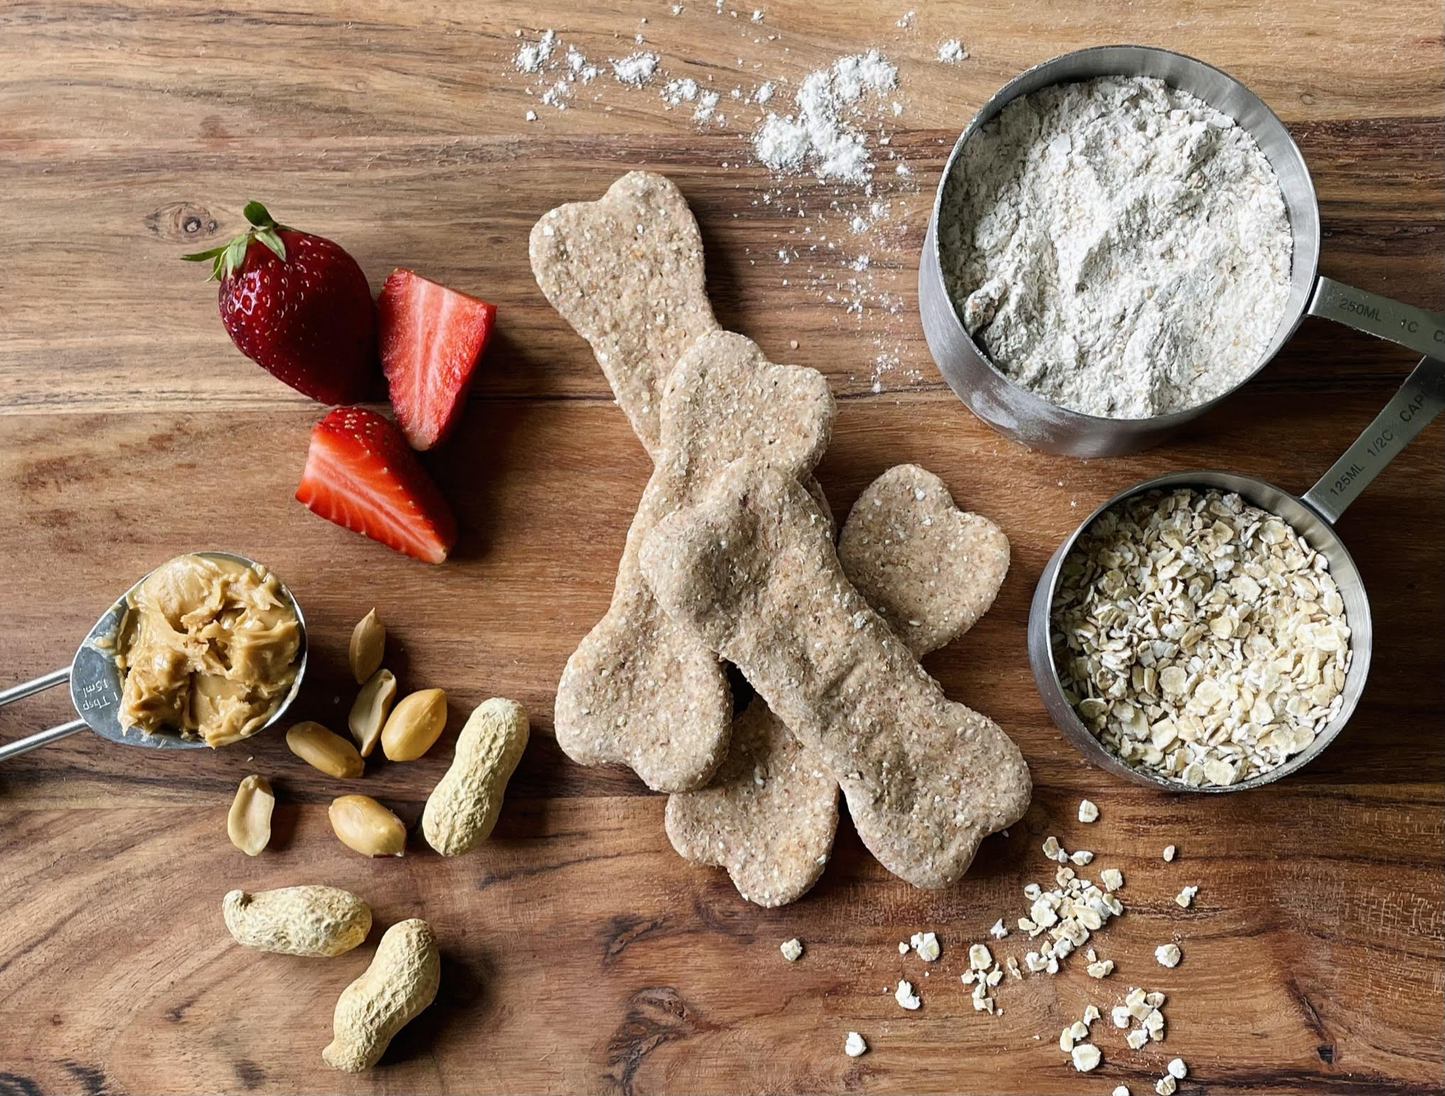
{"x": 1027, "y": 82}
{"x": 1321, "y": 536}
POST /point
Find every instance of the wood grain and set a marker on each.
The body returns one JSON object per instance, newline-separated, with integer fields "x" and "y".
{"x": 580, "y": 954}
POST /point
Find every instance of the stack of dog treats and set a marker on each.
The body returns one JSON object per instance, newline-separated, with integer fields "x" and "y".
{"x": 732, "y": 557}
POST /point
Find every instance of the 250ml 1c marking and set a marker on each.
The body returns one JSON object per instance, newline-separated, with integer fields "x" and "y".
{"x": 1369, "y": 311}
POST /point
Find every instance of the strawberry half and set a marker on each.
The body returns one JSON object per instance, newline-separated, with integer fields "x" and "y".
{"x": 430, "y": 338}
{"x": 360, "y": 474}
{"x": 298, "y": 306}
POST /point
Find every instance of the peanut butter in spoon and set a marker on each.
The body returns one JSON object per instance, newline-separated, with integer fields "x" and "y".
{"x": 207, "y": 648}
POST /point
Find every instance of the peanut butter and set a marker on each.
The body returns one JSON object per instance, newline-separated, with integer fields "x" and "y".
{"x": 207, "y": 648}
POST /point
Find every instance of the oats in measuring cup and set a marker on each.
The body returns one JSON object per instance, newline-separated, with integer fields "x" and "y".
{"x": 1198, "y": 637}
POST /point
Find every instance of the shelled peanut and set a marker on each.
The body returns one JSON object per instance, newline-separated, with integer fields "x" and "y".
{"x": 249, "y": 822}
{"x": 414, "y": 725}
{"x": 368, "y": 644}
{"x": 365, "y": 826}
{"x": 325, "y": 750}
{"x": 370, "y": 710}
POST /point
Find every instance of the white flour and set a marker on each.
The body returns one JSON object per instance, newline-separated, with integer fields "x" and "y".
{"x": 952, "y": 52}
{"x": 1118, "y": 247}
{"x": 635, "y": 68}
{"x": 838, "y": 198}
{"x": 819, "y": 134}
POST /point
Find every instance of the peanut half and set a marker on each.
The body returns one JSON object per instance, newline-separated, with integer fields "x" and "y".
{"x": 401, "y": 981}
{"x": 414, "y": 725}
{"x": 325, "y": 750}
{"x": 462, "y": 809}
{"x": 249, "y": 823}
{"x": 312, "y": 920}
{"x": 368, "y": 643}
{"x": 368, "y": 713}
{"x": 365, "y": 826}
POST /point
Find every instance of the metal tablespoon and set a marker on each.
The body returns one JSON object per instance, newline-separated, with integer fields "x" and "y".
{"x": 95, "y": 685}
{"x": 1312, "y": 515}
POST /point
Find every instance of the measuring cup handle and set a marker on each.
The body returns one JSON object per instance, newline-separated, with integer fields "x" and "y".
{"x": 1419, "y": 400}
{"x": 40, "y": 738}
{"x": 1417, "y": 328}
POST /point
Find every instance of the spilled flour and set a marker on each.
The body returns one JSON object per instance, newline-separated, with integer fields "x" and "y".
{"x": 838, "y": 198}
{"x": 819, "y": 134}
{"x": 1118, "y": 247}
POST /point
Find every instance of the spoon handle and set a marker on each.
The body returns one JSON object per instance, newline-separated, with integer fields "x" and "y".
{"x": 40, "y": 738}
{"x": 25, "y": 688}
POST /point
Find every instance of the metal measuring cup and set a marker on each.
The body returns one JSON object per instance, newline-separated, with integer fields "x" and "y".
{"x": 95, "y": 685}
{"x": 1312, "y": 515}
{"x": 1020, "y": 414}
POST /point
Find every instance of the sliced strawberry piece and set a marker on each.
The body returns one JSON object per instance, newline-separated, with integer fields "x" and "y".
{"x": 360, "y": 474}
{"x": 430, "y": 338}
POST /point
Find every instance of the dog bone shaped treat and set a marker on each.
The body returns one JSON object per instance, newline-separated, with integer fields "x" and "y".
{"x": 751, "y": 570}
{"x": 769, "y": 814}
{"x": 626, "y": 272}
{"x": 640, "y": 690}
{"x": 928, "y": 568}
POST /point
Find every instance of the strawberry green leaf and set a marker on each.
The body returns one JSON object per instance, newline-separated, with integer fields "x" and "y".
{"x": 268, "y": 237}
{"x": 203, "y": 256}
{"x": 235, "y": 255}
{"x": 256, "y": 213}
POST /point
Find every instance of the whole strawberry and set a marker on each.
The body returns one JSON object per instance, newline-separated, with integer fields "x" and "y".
{"x": 299, "y": 307}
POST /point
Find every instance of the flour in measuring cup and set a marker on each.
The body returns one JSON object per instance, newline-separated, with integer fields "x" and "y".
{"x": 1117, "y": 246}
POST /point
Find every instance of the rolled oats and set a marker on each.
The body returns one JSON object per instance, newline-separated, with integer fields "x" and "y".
{"x": 1168, "y": 955}
{"x": 854, "y": 1045}
{"x": 1177, "y": 1069}
{"x": 926, "y": 945}
{"x": 1088, "y": 811}
{"x": 1086, "y": 1056}
{"x": 905, "y": 996}
{"x": 1169, "y": 852}
{"x": 792, "y": 949}
{"x": 1198, "y": 637}
{"x": 1185, "y": 898}
{"x": 1154, "y": 1025}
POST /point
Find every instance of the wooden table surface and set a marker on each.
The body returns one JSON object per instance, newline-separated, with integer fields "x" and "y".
{"x": 580, "y": 953}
